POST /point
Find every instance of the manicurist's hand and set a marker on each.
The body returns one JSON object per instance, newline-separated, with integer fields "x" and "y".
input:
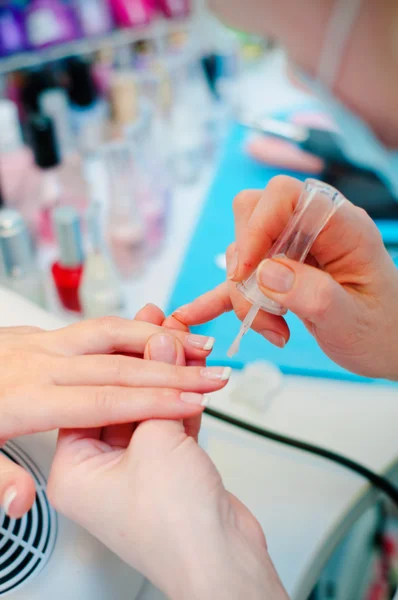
{"x": 89, "y": 375}
{"x": 154, "y": 497}
{"x": 346, "y": 297}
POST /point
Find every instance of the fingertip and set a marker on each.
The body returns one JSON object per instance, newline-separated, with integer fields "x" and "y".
{"x": 19, "y": 496}
{"x": 150, "y": 313}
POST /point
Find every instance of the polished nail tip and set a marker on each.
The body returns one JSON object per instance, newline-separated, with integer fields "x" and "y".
{"x": 209, "y": 344}
{"x": 8, "y": 499}
{"x": 192, "y": 398}
{"x": 226, "y": 374}
{"x": 206, "y": 400}
{"x": 274, "y": 338}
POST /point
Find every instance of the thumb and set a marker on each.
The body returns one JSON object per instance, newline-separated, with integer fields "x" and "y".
{"x": 310, "y": 293}
{"x": 17, "y": 489}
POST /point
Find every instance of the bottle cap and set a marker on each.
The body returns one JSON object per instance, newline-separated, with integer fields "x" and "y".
{"x": 69, "y": 237}
{"x": 82, "y": 90}
{"x": 10, "y": 130}
{"x": 16, "y": 257}
{"x": 44, "y": 143}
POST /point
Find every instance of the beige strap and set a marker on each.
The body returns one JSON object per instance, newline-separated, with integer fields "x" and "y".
{"x": 341, "y": 23}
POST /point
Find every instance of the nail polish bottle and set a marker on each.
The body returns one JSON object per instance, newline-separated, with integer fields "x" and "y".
{"x": 87, "y": 109}
{"x": 67, "y": 270}
{"x": 18, "y": 269}
{"x": 124, "y": 104}
{"x": 54, "y": 104}
{"x": 126, "y": 228}
{"x": 49, "y": 22}
{"x": 174, "y": 9}
{"x": 152, "y": 177}
{"x": 131, "y": 13}
{"x": 15, "y": 157}
{"x": 94, "y": 16}
{"x": 12, "y": 31}
{"x": 103, "y": 69}
{"x": 100, "y": 292}
{"x": 49, "y": 192}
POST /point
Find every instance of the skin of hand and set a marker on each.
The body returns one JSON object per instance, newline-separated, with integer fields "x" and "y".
{"x": 366, "y": 80}
{"x": 89, "y": 375}
{"x": 154, "y": 497}
{"x": 346, "y": 296}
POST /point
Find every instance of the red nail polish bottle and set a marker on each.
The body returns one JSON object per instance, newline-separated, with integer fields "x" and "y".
{"x": 67, "y": 271}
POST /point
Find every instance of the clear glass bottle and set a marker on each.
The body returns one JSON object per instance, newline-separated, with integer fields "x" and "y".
{"x": 149, "y": 140}
{"x": 126, "y": 228}
{"x": 100, "y": 292}
{"x": 49, "y": 193}
{"x": 18, "y": 269}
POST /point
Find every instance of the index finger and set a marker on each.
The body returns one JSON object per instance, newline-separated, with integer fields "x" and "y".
{"x": 113, "y": 334}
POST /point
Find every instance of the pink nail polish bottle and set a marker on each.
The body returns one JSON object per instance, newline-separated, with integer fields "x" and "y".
{"x": 15, "y": 157}
{"x": 175, "y": 8}
{"x": 131, "y": 13}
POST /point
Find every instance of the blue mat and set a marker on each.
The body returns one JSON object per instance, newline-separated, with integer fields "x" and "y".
{"x": 199, "y": 273}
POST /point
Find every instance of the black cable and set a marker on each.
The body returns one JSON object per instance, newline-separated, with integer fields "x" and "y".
{"x": 376, "y": 480}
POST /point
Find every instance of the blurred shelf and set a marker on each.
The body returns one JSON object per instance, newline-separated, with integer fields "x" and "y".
{"x": 122, "y": 37}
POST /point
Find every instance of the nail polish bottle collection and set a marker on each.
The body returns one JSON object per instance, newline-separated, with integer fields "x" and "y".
{"x": 91, "y": 150}
{"x": 34, "y": 24}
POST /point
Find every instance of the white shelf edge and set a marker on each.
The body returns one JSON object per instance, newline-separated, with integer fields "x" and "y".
{"x": 121, "y": 37}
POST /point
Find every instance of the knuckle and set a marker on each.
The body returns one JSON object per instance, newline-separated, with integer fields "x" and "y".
{"x": 109, "y": 326}
{"x": 277, "y": 184}
{"x": 230, "y": 250}
{"x": 240, "y": 201}
{"x": 322, "y": 299}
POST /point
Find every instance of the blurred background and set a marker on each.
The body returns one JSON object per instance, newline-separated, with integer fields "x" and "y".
{"x": 126, "y": 129}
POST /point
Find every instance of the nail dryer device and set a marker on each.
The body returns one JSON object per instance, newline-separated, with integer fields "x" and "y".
{"x": 43, "y": 555}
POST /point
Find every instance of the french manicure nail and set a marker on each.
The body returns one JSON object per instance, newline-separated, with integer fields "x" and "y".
{"x": 232, "y": 265}
{"x": 9, "y": 496}
{"x": 201, "y": 342}
{"x": 275, "y": 276}
{"x": 275, "y": 338}
{"x": 162, "y": 348}
{"x": 216, "y": 373}
{"x": 192, "y": 398}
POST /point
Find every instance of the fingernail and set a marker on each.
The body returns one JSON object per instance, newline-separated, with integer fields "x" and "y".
{"x": 232, "y": 265}
{"x": 191, "y": 398}
{"x": 163, "y": 348}
{"x": 9, "y": 496}
{"x": 179, "y": 312}
{"x": 201, "y": 341}
{"x": 216, "y": 373}
{"x": 275, "y": 338}
{"x": 275, "y": 276}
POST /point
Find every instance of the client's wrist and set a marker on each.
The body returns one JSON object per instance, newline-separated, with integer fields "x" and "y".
{"x": 225, "y": 566}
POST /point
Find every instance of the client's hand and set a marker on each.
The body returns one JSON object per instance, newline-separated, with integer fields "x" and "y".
{"x": 77, "y": 377}
{"x": 153, "y": 496}
{"x": 349, "y": 303}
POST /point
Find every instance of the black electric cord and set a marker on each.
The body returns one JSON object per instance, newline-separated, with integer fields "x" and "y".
{"x": 376, "y": 480}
